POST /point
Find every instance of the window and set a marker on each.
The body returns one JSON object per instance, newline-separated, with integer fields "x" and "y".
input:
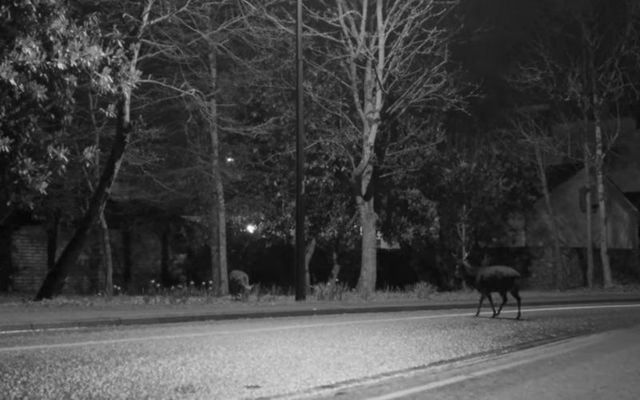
{"x": 583, "y": 192}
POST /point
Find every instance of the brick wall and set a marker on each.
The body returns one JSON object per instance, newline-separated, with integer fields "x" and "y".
{"x": 625, "y": 268}
{"x": 28, "y": 261}
{"x": 28, "y": 258}
{"x": 6, "y": 267}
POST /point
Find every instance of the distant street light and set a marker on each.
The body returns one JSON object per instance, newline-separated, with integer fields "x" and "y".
{"x": 299, "y": 275}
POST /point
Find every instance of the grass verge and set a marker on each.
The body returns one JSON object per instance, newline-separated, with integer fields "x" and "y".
{"x": 338, "y": 294}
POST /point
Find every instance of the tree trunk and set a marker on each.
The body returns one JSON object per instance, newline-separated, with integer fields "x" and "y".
{"x": 604, "y": 253}
{"x": 308, "y": 254}
{"x": 367, "y": 280}
{"x": 165, "y": 277}
{"x": 52, "y": 240}
{"x": 107, "y": 259}
{"x": 462, "y": 229}
{"x": 364, "y": 184}
{"x": 335, "y": 268}
{"x": 127, "y": 274}
{"x": 221, "y": 228}
{"x": 588, "y": 211}
{"x": 370, "y": 108}
{"x": 553, "y": 225}
{"x": 218, "y": 243}
{"x": 55, "y": 279}
{"x": 103, "y": 233}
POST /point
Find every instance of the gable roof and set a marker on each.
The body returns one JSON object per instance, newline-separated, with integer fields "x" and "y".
{"x": 627, "y": 179}
{"x": 611, "y": 187}
{"x": 570, "y": 216}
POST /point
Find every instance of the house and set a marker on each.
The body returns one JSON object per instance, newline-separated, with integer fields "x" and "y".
{"x": 568, "y": 201}
{"x": 530, "y": 232}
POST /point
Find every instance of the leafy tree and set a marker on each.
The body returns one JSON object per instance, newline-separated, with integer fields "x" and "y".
{"x": 389, "y": 58}
{"x": 259, "y": 137}
{"x": 474, "y": 191}
{"x": 370, "y": 65}
{"x": 44, "y": 56}
{"x": 124, "y": 49}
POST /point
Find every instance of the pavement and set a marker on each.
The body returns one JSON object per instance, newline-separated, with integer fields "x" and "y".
{"x": 16, "y": 317}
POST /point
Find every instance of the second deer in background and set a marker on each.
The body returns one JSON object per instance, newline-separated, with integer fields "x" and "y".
{"x": 239, "y": 284}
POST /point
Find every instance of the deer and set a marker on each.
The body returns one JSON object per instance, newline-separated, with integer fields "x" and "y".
{"x": 495, "y": 278}
{"x": 239, "y": 284}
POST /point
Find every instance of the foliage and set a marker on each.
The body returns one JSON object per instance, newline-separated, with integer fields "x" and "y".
{"x": 477, "y": 192}
{"x": 378, "y": 102}
{"x": 455, "y": 188}
{"x": 44, "y": 56}
{"x": 263, "y": 152}
{"x": 391, "y": 61}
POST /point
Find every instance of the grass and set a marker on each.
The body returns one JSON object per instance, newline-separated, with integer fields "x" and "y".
{"x": 268, "y": 296}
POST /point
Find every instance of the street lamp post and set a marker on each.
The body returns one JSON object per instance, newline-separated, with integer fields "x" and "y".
{"x": 300, "y": 280}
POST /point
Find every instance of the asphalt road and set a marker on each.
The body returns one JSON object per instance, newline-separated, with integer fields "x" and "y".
{"x": 345, "y": 356}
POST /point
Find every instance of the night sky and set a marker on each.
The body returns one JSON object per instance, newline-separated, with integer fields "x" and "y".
{"x": 492, "y": 32}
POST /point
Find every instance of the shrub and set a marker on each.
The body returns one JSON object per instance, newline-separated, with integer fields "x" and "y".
{"x": 330, "y": 291}
{"x": 422, "y": 290}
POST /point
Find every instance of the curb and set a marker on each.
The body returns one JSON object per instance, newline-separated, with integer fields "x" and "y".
{"x": 315, "y": 311}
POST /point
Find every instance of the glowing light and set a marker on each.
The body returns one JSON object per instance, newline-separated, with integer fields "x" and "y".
{"x": 251, "y": 228}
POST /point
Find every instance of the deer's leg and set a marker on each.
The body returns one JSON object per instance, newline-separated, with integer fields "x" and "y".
{"x": 516, "y": 295}
{"x": 480, "y": 304}
{"x": 504, "y": 301}
{"x": 493, "y": 308}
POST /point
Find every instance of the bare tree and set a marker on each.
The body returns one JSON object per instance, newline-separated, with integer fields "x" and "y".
{"x": 218, "y": 211}
{"x": 539, "y": 139}
{"x": 588, "y": 207}
{"x": 191, "y": 51}
{"x": 390, "y": 57}
{"x": 588, "y": 65}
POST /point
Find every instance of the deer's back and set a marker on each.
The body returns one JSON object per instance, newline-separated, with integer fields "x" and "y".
{"x": 239, "y": 276}
{"x": 496, "y": 278}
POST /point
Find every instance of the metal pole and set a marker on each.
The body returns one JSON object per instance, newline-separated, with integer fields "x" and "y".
{"x": 300, "y": 242}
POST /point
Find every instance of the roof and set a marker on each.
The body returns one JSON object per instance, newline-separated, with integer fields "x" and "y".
{"x": 627, "y": 179}
{"x": 570, "y": 216}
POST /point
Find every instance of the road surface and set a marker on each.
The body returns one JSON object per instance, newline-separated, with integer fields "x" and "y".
{"x": 398, "y": 355}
